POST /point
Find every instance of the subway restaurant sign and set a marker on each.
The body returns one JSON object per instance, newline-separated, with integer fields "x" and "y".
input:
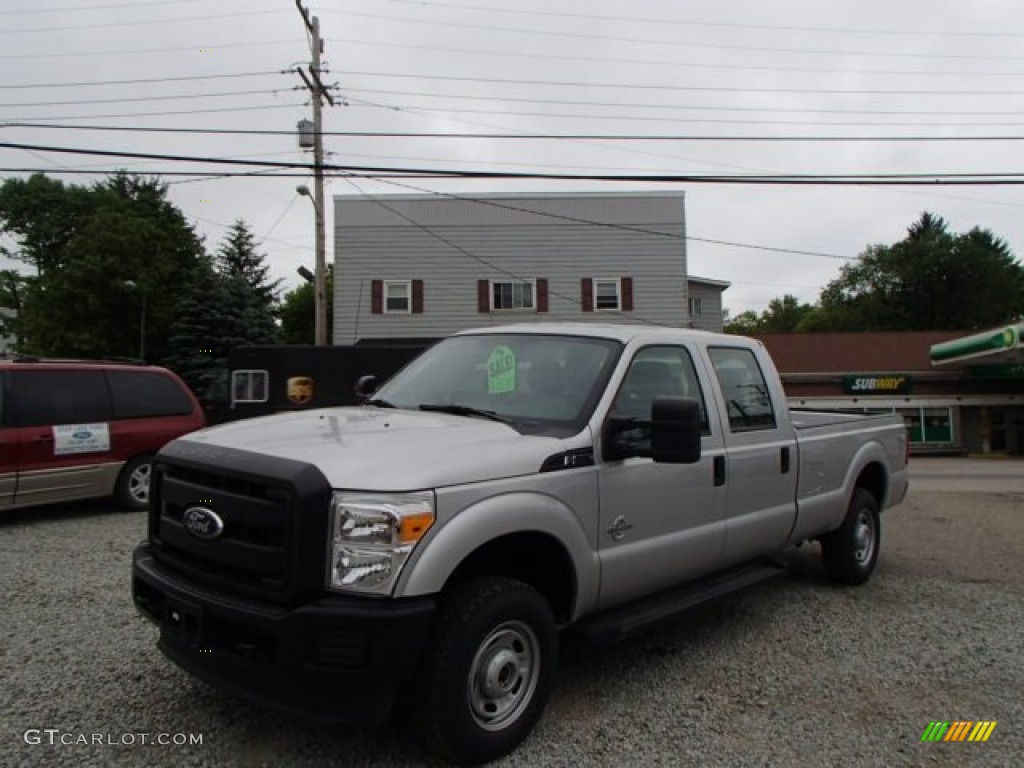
{"x": 884, "y": 384}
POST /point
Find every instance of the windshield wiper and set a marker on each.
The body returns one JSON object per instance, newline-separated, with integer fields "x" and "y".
{"x": 380, "y": 403}
{"x": 463, "y": 410}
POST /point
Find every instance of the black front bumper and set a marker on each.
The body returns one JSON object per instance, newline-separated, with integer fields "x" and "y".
{"x": 340, "y": 659}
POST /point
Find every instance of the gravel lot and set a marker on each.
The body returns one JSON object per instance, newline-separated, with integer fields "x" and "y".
{"x": 792, "y": 673}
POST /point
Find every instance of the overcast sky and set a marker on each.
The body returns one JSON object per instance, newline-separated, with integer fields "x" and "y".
{"x": 728, "y": 68}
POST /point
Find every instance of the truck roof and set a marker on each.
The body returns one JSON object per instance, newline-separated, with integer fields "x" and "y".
{"x": 624, "y": 332}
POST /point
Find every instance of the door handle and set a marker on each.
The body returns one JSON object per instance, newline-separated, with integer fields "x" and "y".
{"x": 719, "y": 465}
{"x": 785, "y": 459}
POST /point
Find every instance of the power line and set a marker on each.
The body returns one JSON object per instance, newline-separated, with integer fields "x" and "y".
{"x": 72, "y": 8}
{"x": 689, "y": 23}
{"x": 676, "y": 43}
{"x": 687, "y": 88}
{"x": 159, "y": 114}
{"x": 133, "y": 99}
{"x": 689, "y": 107}
{"x": 611, "y": 225}
{"x": 517, "y": 136}
{"x": 109, "y": 24}
{"x": 36, "y": 86}
{"x": 826, "y": 179}
{"x": 170, "y": 49}
{"x": 355, "y": 102}
{"x": 688, "y": 65}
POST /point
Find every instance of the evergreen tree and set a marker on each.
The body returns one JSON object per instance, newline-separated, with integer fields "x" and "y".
{"x": 237, "y": 255}
{"x": 199, "y": 352}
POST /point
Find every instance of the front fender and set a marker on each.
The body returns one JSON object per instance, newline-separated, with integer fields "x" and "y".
{"x": 469, "y": 528}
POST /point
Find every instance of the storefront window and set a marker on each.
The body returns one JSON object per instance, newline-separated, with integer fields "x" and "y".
{"x": 938, "y": 427}
{"x": 912, "y": 419}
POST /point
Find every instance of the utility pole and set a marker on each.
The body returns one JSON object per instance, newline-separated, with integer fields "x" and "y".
{"x": 319, "y": 93}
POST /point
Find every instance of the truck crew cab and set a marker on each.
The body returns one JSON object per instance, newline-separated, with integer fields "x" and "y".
{"x": 421, "y": 553}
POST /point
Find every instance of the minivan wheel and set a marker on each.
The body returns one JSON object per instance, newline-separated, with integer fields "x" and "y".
{"x": 132, "y": 490}
{"x": 851, "y": 553}
{"x": 486, "y": 677}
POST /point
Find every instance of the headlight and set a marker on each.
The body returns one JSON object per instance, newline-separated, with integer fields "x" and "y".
{"x": 372, "y": 536}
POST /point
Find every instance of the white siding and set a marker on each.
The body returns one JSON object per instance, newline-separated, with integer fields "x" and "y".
{"x": 469, "y": 241}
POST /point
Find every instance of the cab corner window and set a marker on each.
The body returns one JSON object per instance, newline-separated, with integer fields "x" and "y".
{"x": 743, "y": 388}
{"x": 249, "y": 386}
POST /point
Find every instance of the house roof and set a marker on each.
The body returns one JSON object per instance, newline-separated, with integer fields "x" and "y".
{"x": 854, "y": 352}
{"x": 707, "y": 281}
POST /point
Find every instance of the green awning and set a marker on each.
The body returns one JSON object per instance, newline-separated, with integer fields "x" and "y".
{"x": 993, "y": 344}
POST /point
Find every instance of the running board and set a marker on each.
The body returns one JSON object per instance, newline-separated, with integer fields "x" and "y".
{"x": 638, "y": 616}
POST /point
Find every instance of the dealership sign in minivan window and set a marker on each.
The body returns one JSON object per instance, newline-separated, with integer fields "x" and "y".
{"x": 80, "y": 438}
{"x": 884, "y": 384}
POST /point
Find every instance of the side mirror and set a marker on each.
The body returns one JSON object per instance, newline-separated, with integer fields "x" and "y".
{"x": 675, "y": 430}
{"x": 366, "y": 386}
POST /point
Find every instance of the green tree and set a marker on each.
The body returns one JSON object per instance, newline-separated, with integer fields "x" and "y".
{"x": 237, "y": 255}
{"x": 931, "y": 280}
{"x": 782, "y": 316}
{"x": 297, "y": 313}
{"x": 123, "y": 255}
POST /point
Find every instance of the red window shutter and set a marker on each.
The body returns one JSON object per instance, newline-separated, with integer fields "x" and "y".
{"x": 627, "y": 294}
{"x": 376, "y": 297}
{"x": 417, "y": 297}
{"x": 587, "y": 294}
{"x": 483, "y": 295}
{"x": 542, "y": 294}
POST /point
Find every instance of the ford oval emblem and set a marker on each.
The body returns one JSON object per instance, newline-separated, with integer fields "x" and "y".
{"x": 203, "y": 523}
{"x": 82, "y": 435}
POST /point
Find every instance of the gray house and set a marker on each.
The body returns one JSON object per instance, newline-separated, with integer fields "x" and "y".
{"x": 425, "y": 266}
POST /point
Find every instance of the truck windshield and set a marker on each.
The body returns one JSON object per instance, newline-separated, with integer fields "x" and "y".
{"x": 524, "y": 379}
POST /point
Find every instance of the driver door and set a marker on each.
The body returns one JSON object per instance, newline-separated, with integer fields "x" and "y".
{"x": 660, "y": 524}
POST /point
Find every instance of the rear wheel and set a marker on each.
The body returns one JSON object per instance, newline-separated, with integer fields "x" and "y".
{"x": 132, "y": 491}
{"x": 489, "y": 672}
{"x": 851, "y": 553}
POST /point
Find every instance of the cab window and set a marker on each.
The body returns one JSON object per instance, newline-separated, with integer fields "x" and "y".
{"x": 743, "y": 388}
{"x": 654, "y": 372}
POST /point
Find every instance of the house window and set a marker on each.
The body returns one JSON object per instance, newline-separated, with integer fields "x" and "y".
{"x": 695, "y": 305}
{"x": 397, "y": 296}
{"x": 512, "y": 294}
{"x": 607, "y": 294}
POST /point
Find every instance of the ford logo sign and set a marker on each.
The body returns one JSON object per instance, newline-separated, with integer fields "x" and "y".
{"x": 203, "y": 523}
{"x": 82, "y": 435}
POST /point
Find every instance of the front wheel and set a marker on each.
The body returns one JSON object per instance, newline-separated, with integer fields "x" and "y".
{"x": 851, "y": 552}
{"x": 132, "y": 491}
{"x": 487, "y": 677}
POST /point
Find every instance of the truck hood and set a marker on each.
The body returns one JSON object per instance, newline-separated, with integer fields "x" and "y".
{"x": 375, "y": 449}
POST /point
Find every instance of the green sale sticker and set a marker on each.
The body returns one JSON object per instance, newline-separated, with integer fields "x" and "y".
{"x": 501, "y": 371}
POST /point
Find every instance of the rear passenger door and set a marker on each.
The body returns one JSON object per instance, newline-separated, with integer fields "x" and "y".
{"x": 760, "y": 472}
{"x": 150, "y": 410}
{"x": 62, "y": 421}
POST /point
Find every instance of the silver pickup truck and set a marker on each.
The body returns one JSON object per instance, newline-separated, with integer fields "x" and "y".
{"x": 420, "y": 554}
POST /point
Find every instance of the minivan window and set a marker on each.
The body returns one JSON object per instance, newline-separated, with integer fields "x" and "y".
{"x": 142, "y": 394}
{"x": 60, "y": 397}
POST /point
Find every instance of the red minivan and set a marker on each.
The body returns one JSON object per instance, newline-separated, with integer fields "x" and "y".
{"x": 79, "y": 429}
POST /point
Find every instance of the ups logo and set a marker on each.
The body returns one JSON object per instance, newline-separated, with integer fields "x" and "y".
{"x": 300, "y": 389}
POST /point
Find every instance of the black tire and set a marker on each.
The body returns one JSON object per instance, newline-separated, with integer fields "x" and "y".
{"x": 488, "y": 673}
{"x": 132, "y": 489}
{"x": 851, "y": 553}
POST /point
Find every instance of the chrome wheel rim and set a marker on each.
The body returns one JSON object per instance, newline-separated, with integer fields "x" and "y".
{"x": 864, "y": 537}
{"x": 504, "y": 675}
{"x": 138, "y": 483}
